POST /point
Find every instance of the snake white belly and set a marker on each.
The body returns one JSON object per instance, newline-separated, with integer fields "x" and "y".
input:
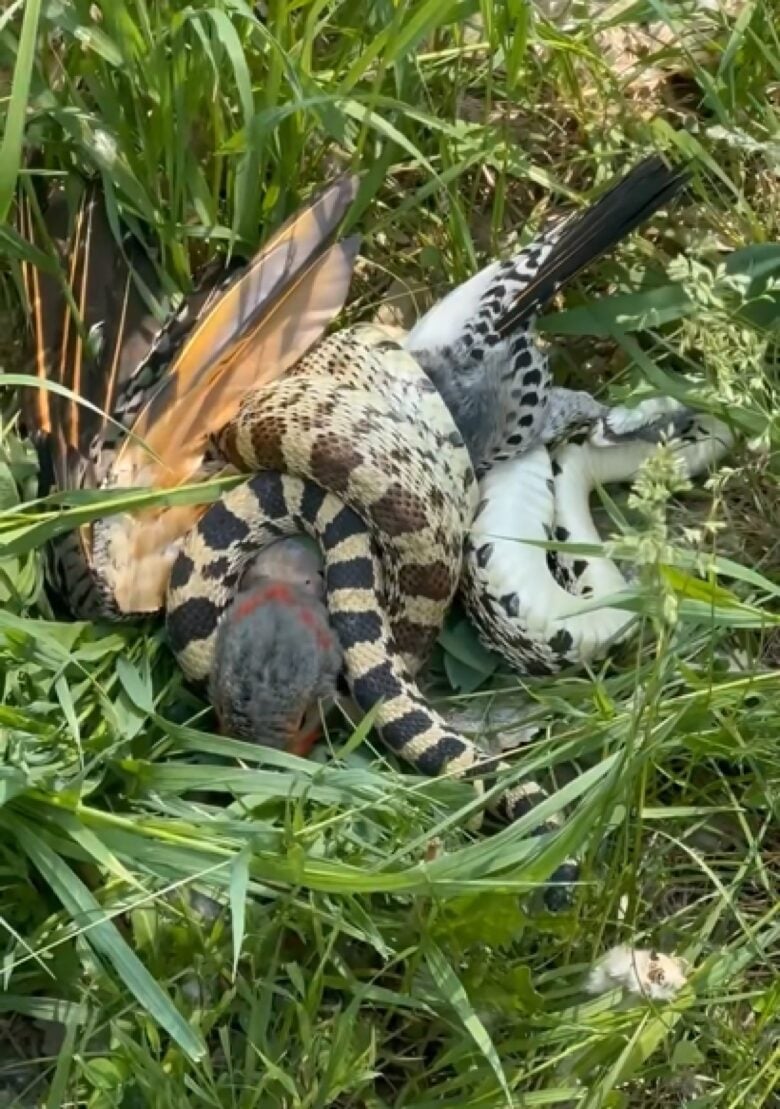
{"x": 522, "y": 610}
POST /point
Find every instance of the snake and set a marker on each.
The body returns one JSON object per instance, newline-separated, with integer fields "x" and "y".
{"x": 542, "y": 613}
{"x": 358, "y": 447}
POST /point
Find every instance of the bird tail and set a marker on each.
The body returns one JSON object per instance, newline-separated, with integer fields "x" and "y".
{"x": 586, "y": 236}
{"x": 90, "y": 324}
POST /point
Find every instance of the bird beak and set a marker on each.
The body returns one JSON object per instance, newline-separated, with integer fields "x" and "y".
{"x": 304, "y": 733}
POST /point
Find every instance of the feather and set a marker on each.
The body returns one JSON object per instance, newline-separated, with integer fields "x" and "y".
{"x": 574, "y": 243}
{"x": 233, "y": 338}
{"x": 137, "y": 551}
{"x": 90, "y": 344}
{"x": 46, "y": 308}
{"x": 586, "y": 236}
{"x": 248, "y": 336}
{"x": 264, "y": 323}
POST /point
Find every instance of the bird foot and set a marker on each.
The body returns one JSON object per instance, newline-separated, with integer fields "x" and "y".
{"x": 655, "y": 420}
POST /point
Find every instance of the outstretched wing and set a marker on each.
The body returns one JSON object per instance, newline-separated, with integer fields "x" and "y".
{"x": 247, "y": 333}
{"x": 264, "y": 322}
{"x": 251, "y": 334}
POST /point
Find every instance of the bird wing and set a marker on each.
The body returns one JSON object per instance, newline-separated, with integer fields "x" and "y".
{"x": 586, "y": 236}
{"x": 90, "y": 324}
{"x": 249, "y": 335}
{"x": 246, "y": 334}
{"x": 507, "y": 294}
{"x": 263, "y": 323}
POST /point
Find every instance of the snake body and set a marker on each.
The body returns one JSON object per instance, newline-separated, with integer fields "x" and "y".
{"x": 356, "y": 446}
{"x": 359, "y": 447}
{"x": 387, "y": 489}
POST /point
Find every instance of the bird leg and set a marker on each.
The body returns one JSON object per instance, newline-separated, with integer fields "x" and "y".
{"x": 570, "y": 412}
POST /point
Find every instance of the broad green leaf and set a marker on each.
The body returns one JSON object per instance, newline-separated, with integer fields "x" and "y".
{"x": 604, "y": 316}
{"x": 137, "y": 690}
{"x": 462, "y": 677}
{"x": 459, "y": 639}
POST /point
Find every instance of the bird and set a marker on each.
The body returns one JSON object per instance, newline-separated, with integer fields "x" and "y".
{"x": 498, "y": 405}
{"x": 278, "y": 661}
{"x": 276, "y": 666}
{"x": 478, "y": 344}
{"x": 343, "y": 463}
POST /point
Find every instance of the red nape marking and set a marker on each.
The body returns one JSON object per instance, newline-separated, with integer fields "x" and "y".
{"x": 323, "y": 635}
{"x": 275, "y": 592}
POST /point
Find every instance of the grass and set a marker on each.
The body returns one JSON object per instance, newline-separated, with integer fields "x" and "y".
{"x": 189, "y": 921}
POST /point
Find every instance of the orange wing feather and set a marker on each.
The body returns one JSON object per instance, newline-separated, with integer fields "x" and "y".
{"x": 258, "y": 329}
{"x": 251, "y": 335}
{"x": 105, "y": 296}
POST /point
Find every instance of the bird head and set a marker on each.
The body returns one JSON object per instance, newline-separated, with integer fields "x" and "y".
{"x": 277, "y": 660}
{"x": 296, "y": 560}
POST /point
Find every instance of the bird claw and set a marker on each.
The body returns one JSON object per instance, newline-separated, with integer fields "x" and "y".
{"x": 656, "y": 420}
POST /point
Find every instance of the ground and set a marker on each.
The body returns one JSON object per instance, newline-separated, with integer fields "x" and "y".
{"x": 189, "y": 921}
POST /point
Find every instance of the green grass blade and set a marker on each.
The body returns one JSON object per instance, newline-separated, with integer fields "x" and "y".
{"x": 13, "y": 132}
{"x": 105, "y": 938}
{"x": 457, "y": 998}
{"x": 239, "y": 884}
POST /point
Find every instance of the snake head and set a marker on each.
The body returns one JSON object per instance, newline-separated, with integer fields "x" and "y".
{"x": 277, "y": 660}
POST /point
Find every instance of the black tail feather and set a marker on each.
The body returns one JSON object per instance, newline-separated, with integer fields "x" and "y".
{"x": 589, "y": 235}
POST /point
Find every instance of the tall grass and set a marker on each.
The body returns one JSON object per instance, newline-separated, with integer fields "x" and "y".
{"x": 197, "y": 922}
